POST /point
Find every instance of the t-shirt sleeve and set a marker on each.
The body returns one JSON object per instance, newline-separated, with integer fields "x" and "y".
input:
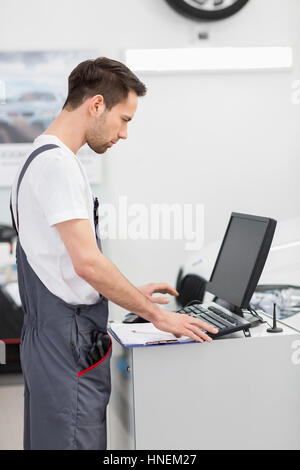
{"x": 59, "y": 187}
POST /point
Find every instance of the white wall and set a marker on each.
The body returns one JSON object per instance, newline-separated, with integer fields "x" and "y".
{"x": 229, "y": 141}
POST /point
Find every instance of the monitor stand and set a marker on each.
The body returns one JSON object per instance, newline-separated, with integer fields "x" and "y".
{"x": 223, "y": 303}
{"x": 238, "y": 311}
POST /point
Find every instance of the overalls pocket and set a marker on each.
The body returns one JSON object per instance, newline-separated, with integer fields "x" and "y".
{"x": 106, "y": 357}
{"x": 94, "y": 387}
{"x": 90, "y": 345}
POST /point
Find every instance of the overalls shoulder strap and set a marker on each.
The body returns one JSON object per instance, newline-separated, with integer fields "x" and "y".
{"x": 31, "y": 157}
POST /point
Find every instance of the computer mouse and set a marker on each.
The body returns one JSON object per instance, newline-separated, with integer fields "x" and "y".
{"x": 133, "y": 318}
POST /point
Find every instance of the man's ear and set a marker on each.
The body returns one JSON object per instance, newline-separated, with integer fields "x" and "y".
{"x": 96, "y": 105}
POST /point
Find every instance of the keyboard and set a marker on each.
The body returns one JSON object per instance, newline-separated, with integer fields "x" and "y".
{"x": 225, "y": 322}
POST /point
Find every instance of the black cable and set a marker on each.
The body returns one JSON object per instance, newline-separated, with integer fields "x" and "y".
{"x": 187, "y": 305}
{"x": 256, "y": 315}
{"x": 191, "y": 302}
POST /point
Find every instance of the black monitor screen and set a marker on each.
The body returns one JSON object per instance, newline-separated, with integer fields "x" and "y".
{"x": 239, "y": 261}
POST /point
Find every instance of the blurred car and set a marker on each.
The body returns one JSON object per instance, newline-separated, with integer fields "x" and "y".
{"x": 33, "y": 108}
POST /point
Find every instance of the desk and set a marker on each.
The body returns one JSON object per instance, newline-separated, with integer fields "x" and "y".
{"x": 235, "y": 393}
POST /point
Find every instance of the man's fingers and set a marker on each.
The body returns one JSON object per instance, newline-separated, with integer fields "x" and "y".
{"x": 191, "y": 334}
{"x": 205, "y": 326}
{"x": 201, "y": 334}
{"x": 160, "y": 300}
{"x": 164, "y": 288}
{"x": 195, "y": 326}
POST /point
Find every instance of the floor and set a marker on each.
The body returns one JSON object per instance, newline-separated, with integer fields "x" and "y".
{"x": 11, "y": 411}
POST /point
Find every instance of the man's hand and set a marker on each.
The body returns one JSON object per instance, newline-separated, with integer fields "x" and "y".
{"x": 176, "y": 323}
{"x": 181, "y": 324}
{"x": 158, "y": 287}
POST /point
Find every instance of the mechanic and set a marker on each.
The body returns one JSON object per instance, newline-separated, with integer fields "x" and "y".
{"x": 65, "y": 281}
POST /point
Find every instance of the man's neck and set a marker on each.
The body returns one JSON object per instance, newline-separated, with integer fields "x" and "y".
{"x": 65, "y": 128}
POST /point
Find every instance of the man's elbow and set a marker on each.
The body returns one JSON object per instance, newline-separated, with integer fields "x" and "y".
{"x": 85, "y": 268}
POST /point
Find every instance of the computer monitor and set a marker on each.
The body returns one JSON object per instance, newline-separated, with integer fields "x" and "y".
{"x": 241, "y": 258}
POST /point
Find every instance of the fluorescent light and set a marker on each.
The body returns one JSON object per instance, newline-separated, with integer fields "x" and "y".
{"x": 209, "y": 59}
{"x": 285, "y": 246}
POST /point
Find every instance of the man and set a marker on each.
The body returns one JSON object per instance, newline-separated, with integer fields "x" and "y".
{"x": 65, "y": 281}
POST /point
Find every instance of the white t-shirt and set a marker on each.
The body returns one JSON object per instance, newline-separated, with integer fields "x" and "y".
{"x": 54, "y": 188}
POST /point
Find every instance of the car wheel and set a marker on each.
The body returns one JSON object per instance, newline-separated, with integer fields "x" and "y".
{"x": 207, "y": 9}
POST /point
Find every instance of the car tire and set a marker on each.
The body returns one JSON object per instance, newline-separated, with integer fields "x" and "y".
{"x": 198, "y": 12}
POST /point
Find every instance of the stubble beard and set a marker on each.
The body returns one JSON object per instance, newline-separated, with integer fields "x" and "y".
{"x": 93, "y": 141}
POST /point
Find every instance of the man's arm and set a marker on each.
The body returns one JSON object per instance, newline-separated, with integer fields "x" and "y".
{"x": 90, "y": 264}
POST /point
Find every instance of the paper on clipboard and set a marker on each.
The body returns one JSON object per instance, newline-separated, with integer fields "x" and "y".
{"x": 144, "y": 334}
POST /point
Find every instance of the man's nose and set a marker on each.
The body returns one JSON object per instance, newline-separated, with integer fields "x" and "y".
{"x": 123, "y": 134}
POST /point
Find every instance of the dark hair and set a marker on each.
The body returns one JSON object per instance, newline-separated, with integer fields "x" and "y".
{"x": 102, "y": 76}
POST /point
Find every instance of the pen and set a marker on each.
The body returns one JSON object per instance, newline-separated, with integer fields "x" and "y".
{"x": 146, "y": 332}
{"x": 163, "y": 341}
{"x": 142, "y": 332}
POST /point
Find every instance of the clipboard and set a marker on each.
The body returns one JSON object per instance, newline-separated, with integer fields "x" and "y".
{"x": 143, "y": 335}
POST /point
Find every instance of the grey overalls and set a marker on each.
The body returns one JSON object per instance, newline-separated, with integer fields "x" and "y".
{"x": 65, "y": 396}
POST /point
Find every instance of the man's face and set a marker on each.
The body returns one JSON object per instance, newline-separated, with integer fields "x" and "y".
{"x": 105, "y": 130}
